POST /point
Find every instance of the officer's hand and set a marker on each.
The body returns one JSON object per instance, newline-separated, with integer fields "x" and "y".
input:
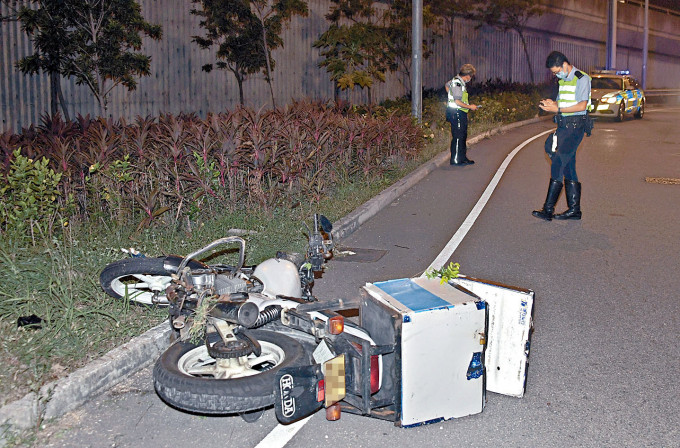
{"x": 473, "y": 107}
{"x": 548, "y": 105}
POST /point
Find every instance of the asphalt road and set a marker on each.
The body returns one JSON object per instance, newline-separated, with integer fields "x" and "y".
{"x": 604, "y": 355}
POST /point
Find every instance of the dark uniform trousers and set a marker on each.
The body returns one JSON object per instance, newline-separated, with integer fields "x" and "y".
{"x": 570, "y": 131}
{"x": 459, "y": 125}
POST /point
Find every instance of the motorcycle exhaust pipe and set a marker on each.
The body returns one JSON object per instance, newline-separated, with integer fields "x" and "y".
{"x": 242, "y": 313}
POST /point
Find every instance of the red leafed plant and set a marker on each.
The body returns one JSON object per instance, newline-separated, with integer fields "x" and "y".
{"x": 193, "y": 167}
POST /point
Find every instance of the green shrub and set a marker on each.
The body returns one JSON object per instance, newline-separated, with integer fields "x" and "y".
{"x": 30, "y": 194}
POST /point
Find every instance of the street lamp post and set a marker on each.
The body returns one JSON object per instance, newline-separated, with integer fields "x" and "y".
{"x": 645, "y": 46}
{"x": 417, "y": 60}
{"x": 611, "y": 35}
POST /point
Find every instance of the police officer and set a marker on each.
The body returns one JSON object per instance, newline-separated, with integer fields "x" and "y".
{"x": 572, "y": 120}
{"x": 456, "y": 113}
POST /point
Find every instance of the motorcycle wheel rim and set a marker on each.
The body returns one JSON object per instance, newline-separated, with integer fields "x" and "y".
{"x": 137, "y": 288}
{"x": 198, "y": 363}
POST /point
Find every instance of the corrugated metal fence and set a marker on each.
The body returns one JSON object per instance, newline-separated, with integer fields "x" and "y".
{"x": 177, "y": 83}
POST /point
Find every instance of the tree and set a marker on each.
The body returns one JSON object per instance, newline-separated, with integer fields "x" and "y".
{"x": 398, "y": 26}
{"x": 95, "y": 41}
{"x": 350, "y": 55}
{"x": 359, "y": 53}
{"x": 245, "y": 33}
{"x": 231, "y": 27}
{"x": 104, "y": 43}
{"x": 510, "y": 15}
{"x": 446, "y": 12}
{"x": 272, "y": 17}
{"x": 46, "y": 26}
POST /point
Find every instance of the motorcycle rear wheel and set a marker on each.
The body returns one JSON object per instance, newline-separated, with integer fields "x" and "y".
{"x": 141, "y": 280}
{"x": 187, "y": 378}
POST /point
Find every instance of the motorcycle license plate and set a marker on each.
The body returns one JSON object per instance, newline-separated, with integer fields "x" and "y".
{"x": 296, "y": 392}
{"x": 334, "y": 379}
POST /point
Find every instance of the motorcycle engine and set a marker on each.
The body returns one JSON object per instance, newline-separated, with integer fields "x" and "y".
{"x": 228, "y": 285}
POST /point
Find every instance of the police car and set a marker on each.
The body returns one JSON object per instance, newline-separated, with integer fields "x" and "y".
{"x": 615, "y": 94}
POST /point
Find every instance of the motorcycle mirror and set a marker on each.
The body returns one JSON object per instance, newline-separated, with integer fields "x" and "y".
{"x": 326, "y": 225}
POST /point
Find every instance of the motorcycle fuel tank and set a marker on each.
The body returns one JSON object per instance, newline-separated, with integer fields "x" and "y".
{"x": 440, "y": 333}
{"x": 279, "y": 277}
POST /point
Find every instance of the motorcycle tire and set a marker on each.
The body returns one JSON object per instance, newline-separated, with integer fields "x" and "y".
{"x": 183, "y": 380}
{"x": 134, "y": 278}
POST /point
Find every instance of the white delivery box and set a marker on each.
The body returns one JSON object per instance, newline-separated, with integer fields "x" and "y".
{"x": 436, "y": 371}
{"x": 509, "y": 333}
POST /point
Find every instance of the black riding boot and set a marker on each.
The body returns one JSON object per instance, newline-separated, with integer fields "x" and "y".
{"x": 572, "y": 189}
{"x": 554, "y": 190}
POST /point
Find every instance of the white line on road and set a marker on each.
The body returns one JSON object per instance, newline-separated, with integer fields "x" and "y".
{"x": 282, "y": 434}
{"x": 457, "y": 238}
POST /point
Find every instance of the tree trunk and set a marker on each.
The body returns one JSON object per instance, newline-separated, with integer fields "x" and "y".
{"x": 526, "y": 53}
{"x": 239, "y": 81}
{"x": 54, "y": 94}
{"x": 452, "y": 42}
{"x": 269, "y": 66}
{"x": 62, "y": 102}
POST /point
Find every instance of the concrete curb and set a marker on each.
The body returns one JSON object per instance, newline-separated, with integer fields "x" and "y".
{"x": 56, "y": 399}
{"x": 347, "y": 225}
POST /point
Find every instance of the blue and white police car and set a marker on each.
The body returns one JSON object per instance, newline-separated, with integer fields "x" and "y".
{"x": 615, "y": 94}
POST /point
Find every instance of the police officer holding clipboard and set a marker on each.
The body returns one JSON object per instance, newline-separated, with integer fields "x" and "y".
{"x": 572, "y": 120}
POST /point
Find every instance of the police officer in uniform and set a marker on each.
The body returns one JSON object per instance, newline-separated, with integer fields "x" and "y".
{"x": 572, "y": 121}
{"x": 456, "y": 114}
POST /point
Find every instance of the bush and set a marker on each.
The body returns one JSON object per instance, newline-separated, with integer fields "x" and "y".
{"x": 30, "y": 193}
{"x": 178, "y": 169}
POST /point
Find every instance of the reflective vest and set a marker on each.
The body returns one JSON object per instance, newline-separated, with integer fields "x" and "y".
{"x": 567, "y": 94}
{"x": 451, "y": 103}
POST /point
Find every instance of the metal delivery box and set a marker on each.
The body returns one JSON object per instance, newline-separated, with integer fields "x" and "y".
{"x": 436, "y": 371}
{"x": 508, "y": 334}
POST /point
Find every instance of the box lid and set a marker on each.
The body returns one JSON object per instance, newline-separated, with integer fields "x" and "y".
{"x": 509, "y": 333}
{"x": 417, "y": 295}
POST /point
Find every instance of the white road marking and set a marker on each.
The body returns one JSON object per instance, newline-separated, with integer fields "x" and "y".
{"x": 457, "y": 238}
{"x": 281, "y": 434}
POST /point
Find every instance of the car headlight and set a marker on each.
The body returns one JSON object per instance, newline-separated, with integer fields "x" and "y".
{"x": 612, "y": 100}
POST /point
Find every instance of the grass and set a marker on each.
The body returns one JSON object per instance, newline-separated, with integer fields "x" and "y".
{"x": 58, "y": 280}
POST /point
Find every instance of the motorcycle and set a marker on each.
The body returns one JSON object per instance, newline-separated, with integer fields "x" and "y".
{"x": 249, "y": 337}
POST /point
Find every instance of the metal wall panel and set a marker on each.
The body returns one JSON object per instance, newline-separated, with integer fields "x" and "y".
{"x": 178, "y": 84}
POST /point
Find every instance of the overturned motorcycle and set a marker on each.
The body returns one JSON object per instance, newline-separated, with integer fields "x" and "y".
{"x": 424, "y": 349}
{"x": 249, "y": 337}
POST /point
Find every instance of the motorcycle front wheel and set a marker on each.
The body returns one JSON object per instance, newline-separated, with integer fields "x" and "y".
{"x": 188, "y": 378}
